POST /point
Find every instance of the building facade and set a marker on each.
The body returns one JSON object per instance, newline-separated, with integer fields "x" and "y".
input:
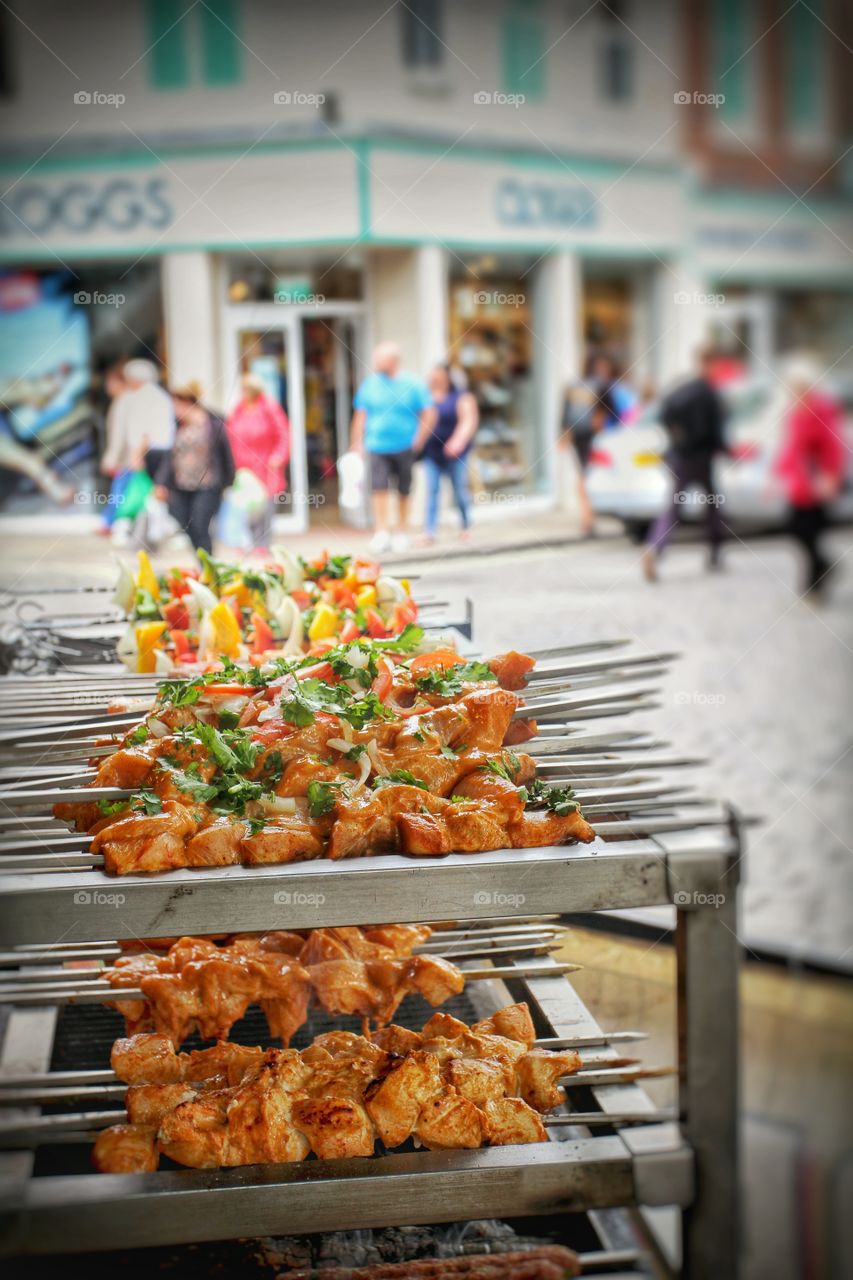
{"x": 274, "y": 187}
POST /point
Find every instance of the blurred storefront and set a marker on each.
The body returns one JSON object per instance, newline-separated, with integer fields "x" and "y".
{"x": 514, "y": 265}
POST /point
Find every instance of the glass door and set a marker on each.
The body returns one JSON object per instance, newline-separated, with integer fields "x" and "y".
{"x": 262, "y": 341}
{"x": 333, "y": 370}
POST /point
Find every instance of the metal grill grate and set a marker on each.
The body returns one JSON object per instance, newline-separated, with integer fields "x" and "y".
{"x": 85, "y": 1033}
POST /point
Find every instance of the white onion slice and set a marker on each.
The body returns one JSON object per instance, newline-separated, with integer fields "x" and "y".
{"x": 158, "y": 728}
{"x": 375, "y": 759}
{"x": 364, "y": 766}
{"x": 268, "y": 713}
{"x": 280, "y": 804}
{"x": 357, "y": 658}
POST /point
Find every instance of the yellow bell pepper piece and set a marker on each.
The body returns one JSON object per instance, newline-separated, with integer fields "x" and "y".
{"x": 404, "y": 583}
{"x": 350, "y": 580}
{"x": 366, "y": 598}
{"x": 244, "y": 595}
{"x": 146, "y": 578}
{"x": 324, "y": 623}
{"x": 147, "y": 636}
{"x": 226, "y": 633}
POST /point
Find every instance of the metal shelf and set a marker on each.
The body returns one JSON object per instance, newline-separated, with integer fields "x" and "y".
{"x": 89, "y": 905}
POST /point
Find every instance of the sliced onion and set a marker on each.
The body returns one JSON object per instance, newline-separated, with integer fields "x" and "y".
{"x": 338, "y": 744}
{"x": 269, "y": 713}
{"x": 375, "y": 759}
{"x": 158, "y": 728}
{"x": 364, "y": 766}
{"x": 280, "y": 804}
{"x": 357, "y": 658}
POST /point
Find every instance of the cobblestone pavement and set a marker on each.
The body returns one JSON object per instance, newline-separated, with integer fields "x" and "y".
{"x": 763, "y": 690}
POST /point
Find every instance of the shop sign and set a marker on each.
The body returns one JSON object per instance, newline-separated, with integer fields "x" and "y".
{"x": 82, "y": 206}
{"x": 542, "y": 204}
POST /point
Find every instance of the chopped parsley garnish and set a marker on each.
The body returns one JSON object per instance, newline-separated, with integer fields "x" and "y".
{"x": 451, "y": 683}
{"x": 356, "y": 752}
{"x": 220, "y": 571}
{"x": 139, "y": 734}
{"x": 180, "y": 693}
{"x": 399, "y": 776}
{"x": 322, "y": 797}
{"x": 507, "y": 767}
{"x": 300, "y": 704}
{"x": 560, "y": 800}
{"x": 111, "y": 807}
{"x": 146, "y": 801}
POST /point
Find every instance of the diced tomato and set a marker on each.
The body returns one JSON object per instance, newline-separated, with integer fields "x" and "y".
{"x": 302, "y": 599}
{"x": 181, "y": 644}
{"x": 177, "y": 588}
{"x": 319, "y": 647}
{"x": 367, "y": 571}
{"x": 271, "y": 730}
{"x": 384, "y": 679}
{"x": 404, "y": 613}
{"x": 376, "y": 628}
{"x": 177, "y": 615}
{"x": 262, "y": 636}
{"x": 438, "y": 660}
{"x": 319, "y": 671}
{"x": 349, "y": 632}
{"x": 228, "y": 690}
{"x": 341, "y": 593}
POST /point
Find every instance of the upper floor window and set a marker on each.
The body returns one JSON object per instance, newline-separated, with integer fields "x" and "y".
{"x": 524, "y": 49}
{"x": 421, "y": 32}
{"x": 805, "y": 65}
{"x": 731, "y": 27}
{"x": 198, "y": 42}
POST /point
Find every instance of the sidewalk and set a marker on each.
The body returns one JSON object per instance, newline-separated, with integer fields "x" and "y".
{"x": 72, "y": 558}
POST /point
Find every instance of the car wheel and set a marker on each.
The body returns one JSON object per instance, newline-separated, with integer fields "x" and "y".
{"x": 637, "y": 530}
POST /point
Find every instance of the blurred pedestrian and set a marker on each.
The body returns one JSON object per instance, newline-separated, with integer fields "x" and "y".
{"x": 444, "y": 445}
{"x": 693, "y": 415}
{"x": 590, "y": 407}
{"x": 810, "y": 466}
{"x": 140, "y": 431}
{"x": 391, "y": 408}
{"x": 192, "y": 477}
{"x": 114, "y": 386}
{"x": 259, "y": 434}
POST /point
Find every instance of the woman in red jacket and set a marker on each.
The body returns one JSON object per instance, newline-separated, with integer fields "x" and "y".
{"x": 259, "y": 433}
{"x": 811, "y": 466}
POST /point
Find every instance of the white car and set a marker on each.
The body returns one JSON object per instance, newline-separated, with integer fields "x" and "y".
{"x": 627, "y": 478}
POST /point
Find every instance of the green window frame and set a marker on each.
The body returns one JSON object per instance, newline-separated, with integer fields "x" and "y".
{"x": 730, "y": 63}
{"x": 804, "y": 69}
{"x": 523, "y": 50}
{"x": 166, "y": 38}
{"x": 221, "y": 50}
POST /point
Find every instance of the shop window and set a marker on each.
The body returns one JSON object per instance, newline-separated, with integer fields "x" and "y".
{"x": 220, "y": 43}
{"x": 731, "y": 24}
{"x": 524, "y": 48}
{"x": 491, "y": 344}
{"x": 804, "y": 65}
{"x": 421, "y": 34}
{"x": 184, "y": 42}
{"x": 166, "y": 37}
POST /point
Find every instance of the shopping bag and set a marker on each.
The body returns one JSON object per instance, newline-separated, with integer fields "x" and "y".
{"x": 351, "y": 481}
{"x": 136, "y": 493}
{"x": 232, "y": 526}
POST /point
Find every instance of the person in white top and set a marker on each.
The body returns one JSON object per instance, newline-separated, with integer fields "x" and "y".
{"x": 140, "y": 431}
{"x": 141, "y": 424}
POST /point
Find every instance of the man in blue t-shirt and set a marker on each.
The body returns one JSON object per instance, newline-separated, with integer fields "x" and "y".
{"x": 393, "y": 414}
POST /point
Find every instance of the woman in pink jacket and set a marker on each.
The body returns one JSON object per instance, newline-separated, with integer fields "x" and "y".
{"x": 810, "y": 466}
{"x": 259, "y": 433}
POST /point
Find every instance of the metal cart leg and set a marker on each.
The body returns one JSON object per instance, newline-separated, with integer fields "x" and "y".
{"x": 708, "y": 956}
